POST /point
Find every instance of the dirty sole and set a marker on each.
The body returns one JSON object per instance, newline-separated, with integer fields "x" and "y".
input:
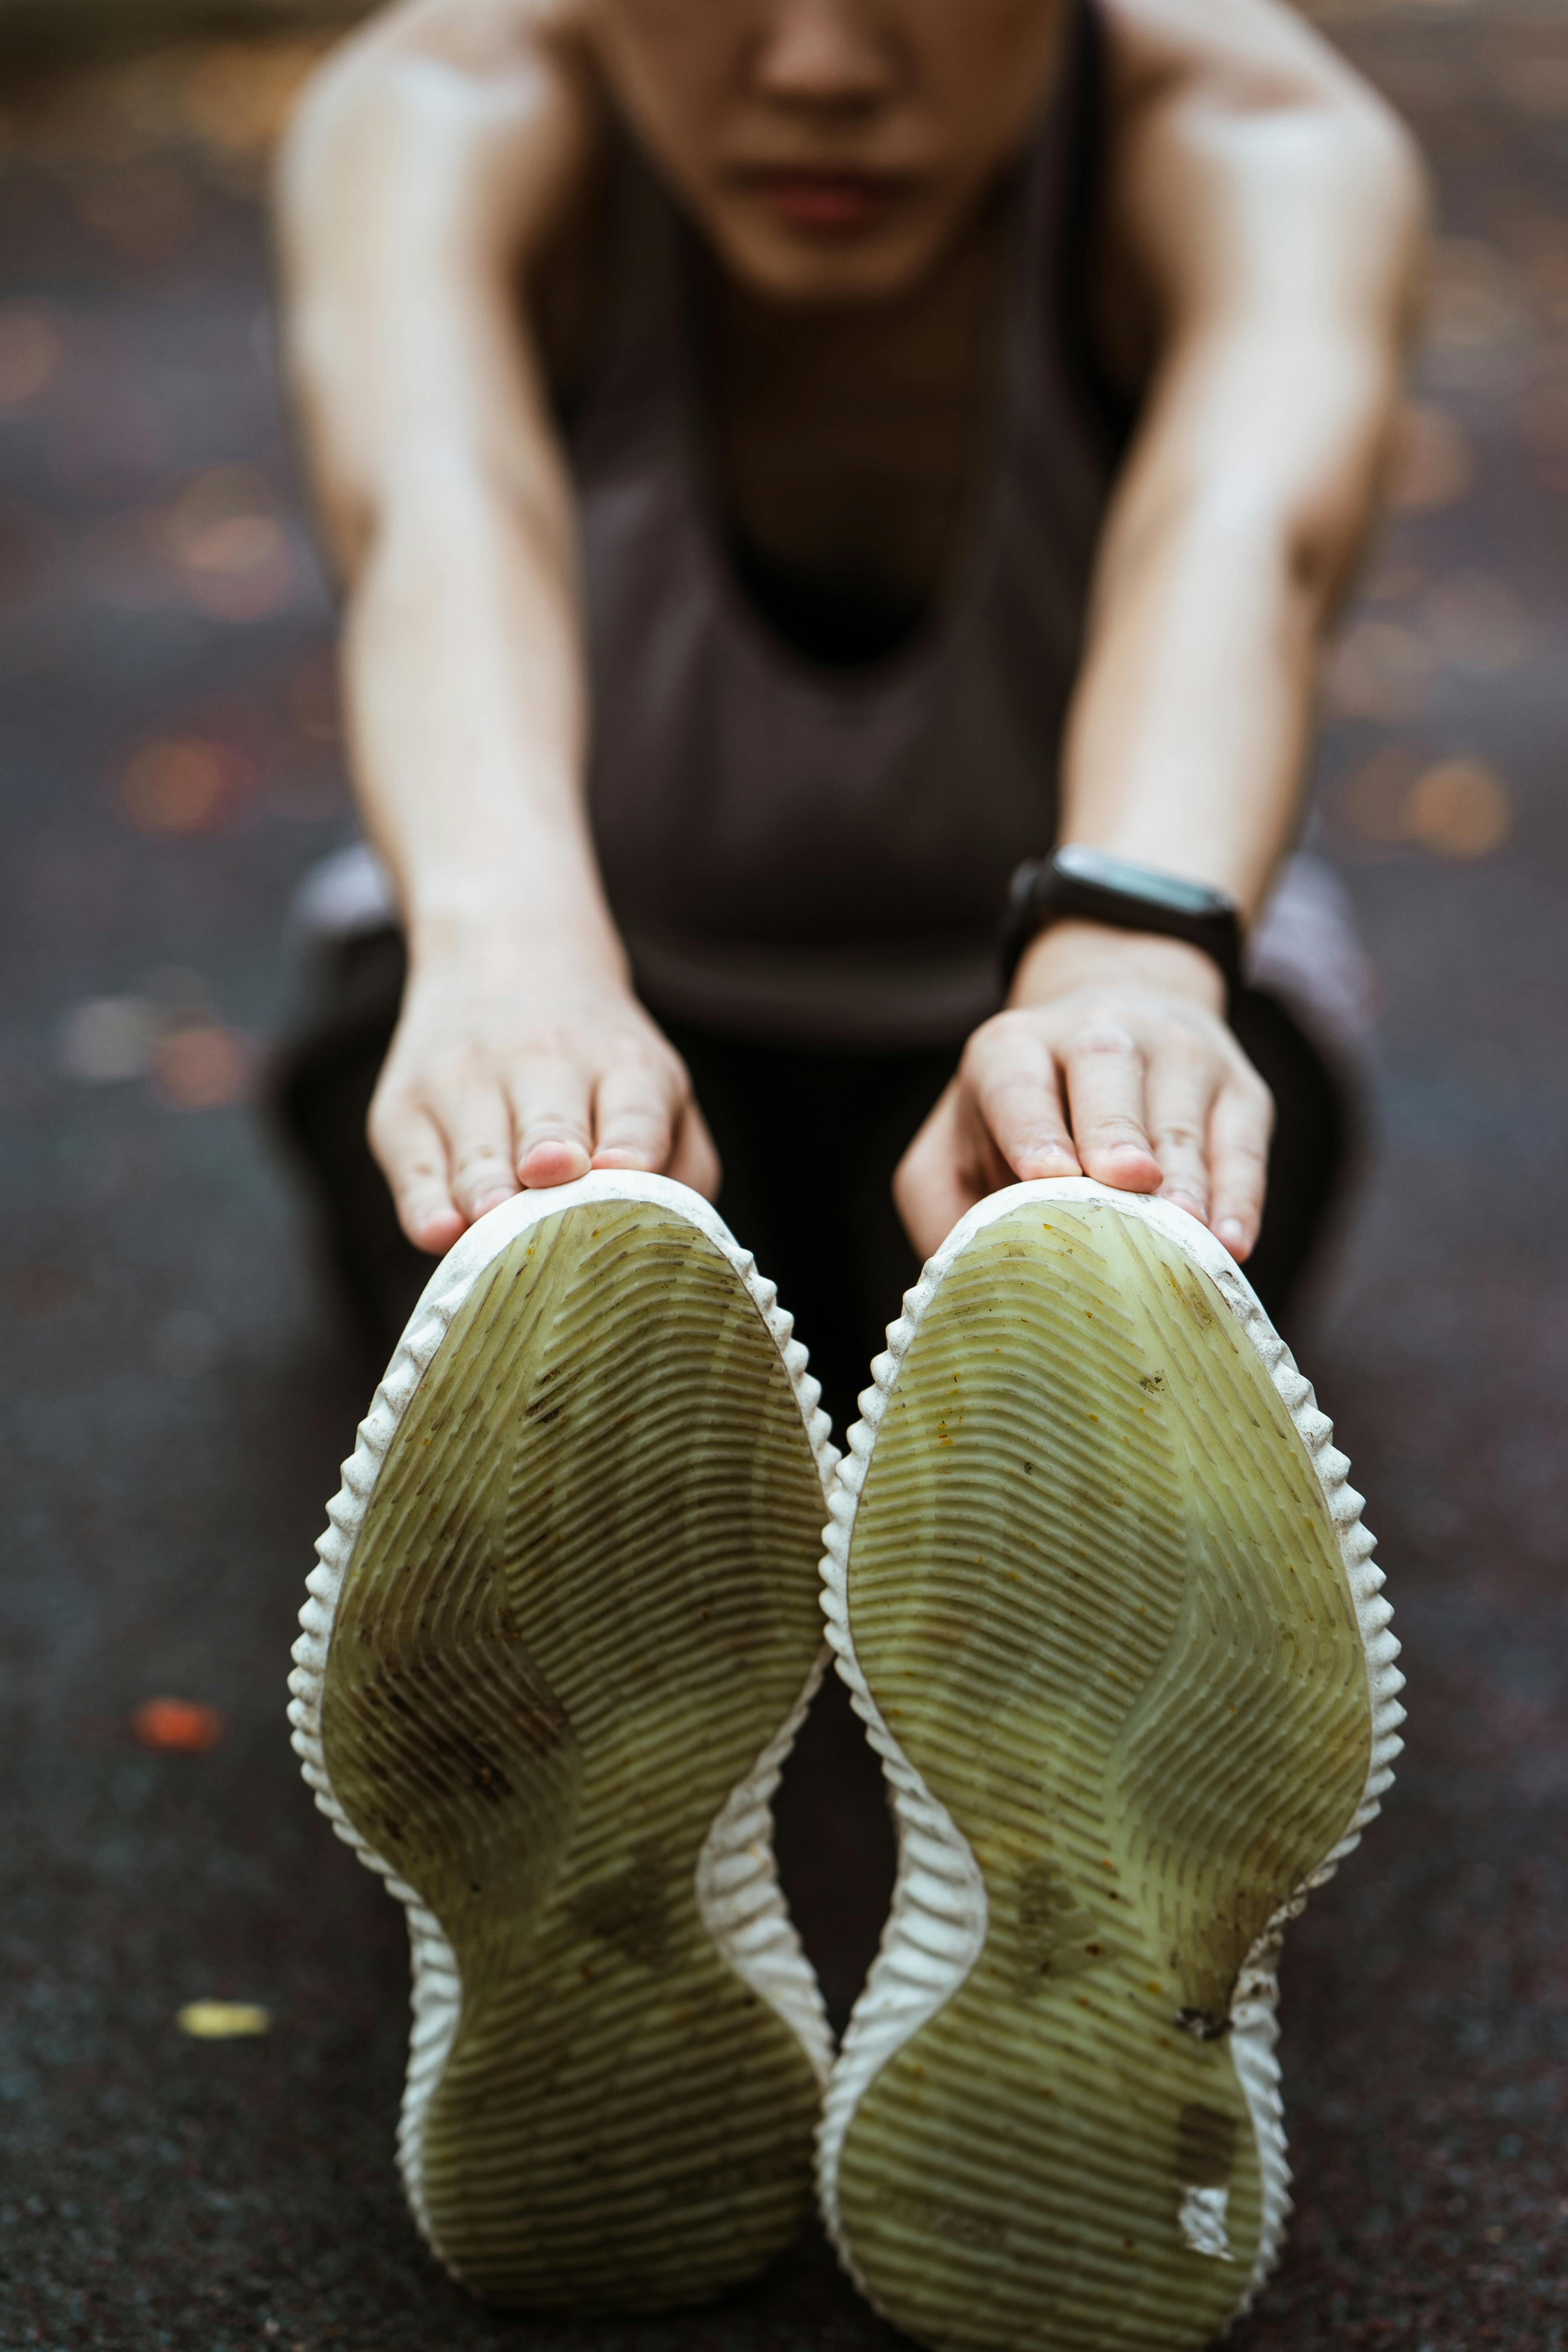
{"x": 1105, "y": 1601}
{"x": 563, "y": 1629}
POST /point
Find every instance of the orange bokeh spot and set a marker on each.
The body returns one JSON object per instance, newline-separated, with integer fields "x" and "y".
{"x": 201, "y": 1067}
{"x": 1460, "y": 809}
{"x": 184, "y": 784}
{"x": 182, "y": 1725}
{"x": 225, "y": 532}
{"x": 1457, "y": 808}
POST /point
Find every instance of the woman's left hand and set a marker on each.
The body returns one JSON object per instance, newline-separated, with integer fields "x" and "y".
{"x": 1113, "y": 1060}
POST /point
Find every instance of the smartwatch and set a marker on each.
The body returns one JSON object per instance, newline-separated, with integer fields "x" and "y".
{"x": 1100, "y": 888}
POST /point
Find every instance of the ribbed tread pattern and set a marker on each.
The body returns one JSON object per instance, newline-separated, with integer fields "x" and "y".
{"x": 1096, "y": 1594}
{"x": 578, "y": 1609}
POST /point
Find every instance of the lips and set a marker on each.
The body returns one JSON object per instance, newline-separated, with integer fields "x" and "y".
{"x": 826, "y": 204}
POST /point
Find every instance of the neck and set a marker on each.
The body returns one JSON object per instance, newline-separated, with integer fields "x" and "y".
{"x": 850, "y": 440}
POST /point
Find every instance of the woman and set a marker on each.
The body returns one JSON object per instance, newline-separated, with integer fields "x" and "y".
{"x": 795, "y": 464}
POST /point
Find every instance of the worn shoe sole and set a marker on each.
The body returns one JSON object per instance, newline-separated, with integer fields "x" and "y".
{"x": 1103, "y": 1598}
{"x": 564, "y": 1629}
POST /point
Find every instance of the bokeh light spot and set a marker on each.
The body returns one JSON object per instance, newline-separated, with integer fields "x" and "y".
{"x": 184, "y": 1727}
{"x": 182, "y": 784}
{"x": 108, "y": 1038}
{"x": 200, "y": 1067}
{"x": 1459, "y": 809}
{"x": 239, "y": 545}
{"x": 225, "y": 534}
{"x": 223, "y": 2021}
{"x": 222, "y": 495}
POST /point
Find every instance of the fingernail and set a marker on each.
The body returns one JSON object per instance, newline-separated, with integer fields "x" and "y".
{"x": 1232, "y": 1233}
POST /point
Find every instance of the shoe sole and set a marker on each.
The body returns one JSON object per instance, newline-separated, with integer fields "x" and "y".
{"x": 564, "y": 1629}
{"x": 1102, "y": 1595}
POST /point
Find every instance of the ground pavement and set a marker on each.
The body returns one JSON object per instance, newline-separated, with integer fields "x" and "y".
{"x": 179, "y": 1394}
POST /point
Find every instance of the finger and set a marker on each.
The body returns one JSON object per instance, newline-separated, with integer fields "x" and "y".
{"x": 635, "y": 1106}
{"x": 931, "y": 1191}
{"x": 1181, "y": 1091}
{"x": 479, "y": 1157}
{"x": 693, "y": 1159}
{"x": 1012, "y": 1081}
{"x": 1105, "y": 1095}
{"x": 412, "y": 1154}
{"x": 1240, "y": 1125}
{"x": 551, "y": 1114}
{"x": 951, "y": 1164}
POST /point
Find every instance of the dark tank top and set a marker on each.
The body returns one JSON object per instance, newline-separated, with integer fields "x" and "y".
{"x": 798, "y": 848}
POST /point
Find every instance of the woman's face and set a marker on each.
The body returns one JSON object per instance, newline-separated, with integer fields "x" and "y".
{"x": 831, "y": 150}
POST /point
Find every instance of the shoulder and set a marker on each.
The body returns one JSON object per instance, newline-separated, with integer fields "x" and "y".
{"x": 443, "y": 52}
{"x": 447, "y": 153}
{"x": 1244, "y": 154}
{"x": 1238, "y": 58}
{"x": 480, "y": 116}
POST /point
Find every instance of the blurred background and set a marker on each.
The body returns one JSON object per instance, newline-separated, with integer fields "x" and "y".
{"x": 180, "y": 1390}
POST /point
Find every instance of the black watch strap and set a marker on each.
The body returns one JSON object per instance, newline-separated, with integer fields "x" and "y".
{"x": 1100, "y": 888}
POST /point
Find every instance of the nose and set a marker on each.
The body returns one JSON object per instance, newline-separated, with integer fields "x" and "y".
{"x": 823, "y": 53}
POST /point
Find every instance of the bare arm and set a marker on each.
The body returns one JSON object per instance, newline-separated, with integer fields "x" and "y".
{"x": 1266, "y": 213}
{"x": 431, "y": 163}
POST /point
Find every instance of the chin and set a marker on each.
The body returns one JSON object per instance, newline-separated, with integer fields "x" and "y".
{"x": 830, "y": 272}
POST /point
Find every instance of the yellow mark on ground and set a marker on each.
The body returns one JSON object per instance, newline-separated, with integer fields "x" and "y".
{"x": 223, "y": 2021}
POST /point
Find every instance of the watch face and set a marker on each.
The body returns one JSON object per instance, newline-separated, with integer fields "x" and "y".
{"x": 1099, "y": 868}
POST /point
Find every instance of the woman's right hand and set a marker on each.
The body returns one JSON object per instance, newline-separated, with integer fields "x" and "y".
{"x": 504, "y": 1075}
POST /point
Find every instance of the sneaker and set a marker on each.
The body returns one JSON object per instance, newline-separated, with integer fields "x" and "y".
{"x": 1104, "y": 1600}
{"x": 562, "y": 1631}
